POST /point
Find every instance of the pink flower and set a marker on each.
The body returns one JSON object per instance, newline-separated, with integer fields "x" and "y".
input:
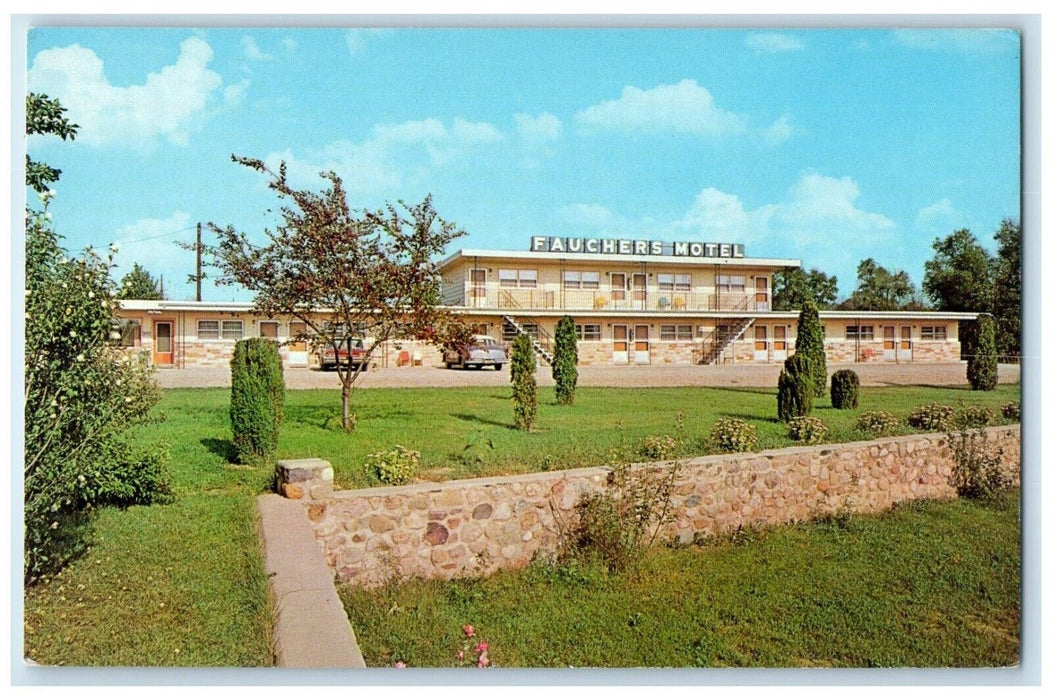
{"x": 399, "y": 664}
{"x": 460, "y": 655}
{"x": 469, "y": 631}
{"x": 483, "y": 661}
{"x": 482, "y": 647}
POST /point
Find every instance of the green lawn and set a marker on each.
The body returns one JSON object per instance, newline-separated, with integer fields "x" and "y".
{"x": 926, "y": 585}
{"x": 199, "y": 555}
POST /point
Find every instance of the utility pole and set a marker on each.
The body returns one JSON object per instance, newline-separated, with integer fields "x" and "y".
{"x": 198, "y": 248}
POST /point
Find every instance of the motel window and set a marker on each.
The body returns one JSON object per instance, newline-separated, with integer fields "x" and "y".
{"x": 933, "y": 332}
{"x": 526, "y": 279}
{"x": 208, "y": 330}
{"x": 233, "y": 330}
{"x": 131, "y": 333}
{"x": 677, "y": 332}
{"x": 668, "y": 282}
{"x": 508, "y": 332}
{"x": 588, "y": 331}
{"x": 580, "y": 279}
{"x": 730, "y": 283}
{"x": 860, "y": 332}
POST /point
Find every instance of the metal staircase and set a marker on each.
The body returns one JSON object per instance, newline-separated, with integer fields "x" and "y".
{"x": 720, "y": 339}
{"x": 542, "y": 341}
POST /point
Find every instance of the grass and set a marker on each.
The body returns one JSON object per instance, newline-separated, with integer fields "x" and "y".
{"x": 926, "y": 585}
{"x": 182, "y": 584}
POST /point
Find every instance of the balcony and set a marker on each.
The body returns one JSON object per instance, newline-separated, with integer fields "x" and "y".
{"x": 552, "y": 297}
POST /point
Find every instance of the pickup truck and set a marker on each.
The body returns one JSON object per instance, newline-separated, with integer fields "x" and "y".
{"x": 351, "y": 354}
{"x": 484, "y": 350}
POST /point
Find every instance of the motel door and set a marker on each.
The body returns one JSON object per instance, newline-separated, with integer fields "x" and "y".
{"x": 619, "y": 292}
{"x": 760, "y": 343}
{"x": 763, "y": 301}
{"x": 780, "y": 346}
{"x": 477, "y": 291}
{"x": 163, "y": 352}
{"x": 641, "y": 345}
{"x": 298, "y": 349}
{"x": 268, "y": 330}
{"x": 620, "y": 344}
{"x": 889, "y": 343}
{"x": 639, "y": 291}
{"x": 906, "y": 344}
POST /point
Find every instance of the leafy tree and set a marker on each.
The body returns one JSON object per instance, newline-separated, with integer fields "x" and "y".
{"x": 564, "y": 362}
{"x": 879, "y": 289}
{"x": 139, "y": 284}
{"x": 958, "y": 277}
{"x": 810, "y": 342}
{"x": 1007, "y": 303}
{"x": 795, "y": 393}
{"x": 45, "y": 115}
{"x": 523, "y": 382}
{"x": 982, "y": 364}
{"x": 374, "y": 270}
{"x": 793, "y": 286}
{"x": 257, "y": 398}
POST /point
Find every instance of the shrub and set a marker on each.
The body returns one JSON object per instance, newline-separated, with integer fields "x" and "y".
{"x": 974, "y": 417}
{"x": 1011, "y": 411}
{"x": 877, "y": 423}
{"x": 932, "y": 416}
{"x": 394, "y": 467}
{"x": 658, "y": 446}
{"x": 807, "y": 429}
{"x": 810, "y": 343}
{"x": 257, "y": 396}
{"x": 844, "y": 389}
{"x": 523, "y": 383}
{"x": 564, "y": 361}
{"x": 977, "y": 471}
{"x": 733, "y": 435}
{"x": 795, "y": 392}
{"x": 982, "y": 364}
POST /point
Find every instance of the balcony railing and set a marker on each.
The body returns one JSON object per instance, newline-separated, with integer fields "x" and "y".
{"x": 544, "y": 297}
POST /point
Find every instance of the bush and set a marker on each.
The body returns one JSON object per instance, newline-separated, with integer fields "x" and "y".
{"x": 795, "y": 391}
{"x": 257, "y": 396}
{"x": 977, "y": 471}
{"x": 394, "y": 467}
{"x": 844, "y": 389}
{"x": 733, "y": 435}
{"x": 1011, "y": 411}
{"x": 974, "y": 417}
{"x": 658, "y": 446}
{"x": 932, "y": 416}
{"x": 810, "y": 343}
{"x": 807, "y": 429}
{"x": 877, "y": 423}
{"x": 523, "y": 383}
{"x": 564, "y": 361}
{"x": 982, "y": 364}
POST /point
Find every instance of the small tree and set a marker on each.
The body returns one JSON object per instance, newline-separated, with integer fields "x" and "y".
{"x": 843, "y": 389}
{"x": 982, "y": 365}
{"x": 373, "y": 273}
{"x": 810, "y": 342}
{"x": 795, "y": 393}
{"x": 257, "y": 398}
{"x": 139, "y": 284}
{"x": 523, "y": 382}
{"x": 564, "y": 363}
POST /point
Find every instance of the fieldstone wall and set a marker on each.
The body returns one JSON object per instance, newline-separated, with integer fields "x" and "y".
{"x": 477, "y": 526}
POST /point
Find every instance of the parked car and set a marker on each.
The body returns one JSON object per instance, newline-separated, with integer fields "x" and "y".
{"x": 483, "y": 351}
{"x": 351, "y": 354}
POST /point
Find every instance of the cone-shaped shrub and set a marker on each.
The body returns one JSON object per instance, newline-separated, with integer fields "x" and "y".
{"x": 523, "y": 383}
{"x": 982, "y": 364}
{"x": 564, "y": 362}
{"x": 843, "y": 389}
{"x": 257, "y": 397}
{"x": 795, "y": 391}
{"x": 810, "y": 342}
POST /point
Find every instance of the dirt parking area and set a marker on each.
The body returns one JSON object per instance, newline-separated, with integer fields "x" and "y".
{"x": 937, "y": 374}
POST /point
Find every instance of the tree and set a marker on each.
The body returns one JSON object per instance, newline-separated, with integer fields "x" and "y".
{"x": 1007, "y": 302}
{"x": 879, "y": 289}
{"x": 810, "y": 342}
{"x": 523, "y": 382}
{"x": 795, "y": 393}
{"x": 257, "y": 398}
{"x": 139, "y": 284}
{"x": 958, "y": 277}
{"x": 372, "y": 273}
{"x": 564, "y": 362}
{"x": 793, "y": 286}
{"x": 982, "y": 364}
{"x": 45, "y": 115}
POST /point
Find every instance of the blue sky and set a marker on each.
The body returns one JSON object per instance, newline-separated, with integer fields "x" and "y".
{"x": 826, "y": 145}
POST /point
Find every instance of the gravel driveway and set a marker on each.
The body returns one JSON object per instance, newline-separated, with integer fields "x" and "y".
{"x": 940, "y": 374}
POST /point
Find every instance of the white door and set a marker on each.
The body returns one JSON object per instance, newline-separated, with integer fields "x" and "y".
{"x": 641, "y": 345}
{"x": 639, "y": 291}
{"x": 760, "y": 352}
{"x": 298, "y": 349}
{"x": 619, "y": 290}
{"x": 477, "y": 287}
{"x": 906, "y": 344}
{"x": 780, "y": 346}
{"x": 620, "y": 345}
{"x": 763, "y": 299}
{"x": 889, "y": 344}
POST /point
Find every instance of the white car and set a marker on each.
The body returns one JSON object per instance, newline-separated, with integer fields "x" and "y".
{"x": 484, "y": 351}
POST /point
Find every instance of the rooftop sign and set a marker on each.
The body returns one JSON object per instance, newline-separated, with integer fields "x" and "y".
{"x": 627, "y": 246}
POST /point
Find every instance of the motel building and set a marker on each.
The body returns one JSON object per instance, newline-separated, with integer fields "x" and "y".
{"x": 635, "y": 302}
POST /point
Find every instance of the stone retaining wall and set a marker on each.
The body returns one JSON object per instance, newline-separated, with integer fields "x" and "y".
{"x": 478, "y": 526}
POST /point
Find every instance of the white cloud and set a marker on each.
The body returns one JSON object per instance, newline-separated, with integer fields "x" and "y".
{"x": 252, "y": 51}
{"x": 940, "y": 213}
{"x": 151, "y": 243}
{"x": 773, "y": 42}
{"x": 959, "y": 40}
{"x": 544, "y": 128}
{"x": 779, "y": 132}
{"x": 170, "y": 104}
{"x": 685, "y": 107}
{"x": 358, "y": 39}
{"x": 289, "y": 44}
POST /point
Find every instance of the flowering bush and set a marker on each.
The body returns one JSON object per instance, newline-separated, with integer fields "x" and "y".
{"x": 974, "y": 417}
{"x": 807, "y": 429}
{"x": 1011, "y": 411}
{"x": 932, "y": 416}
{"x": 658, "y": 446}
{"x": 877, "y": 423}
{"x": 395, "y": 467}
{"x": 472, "y": 652}
{"x": 733, "y": 435}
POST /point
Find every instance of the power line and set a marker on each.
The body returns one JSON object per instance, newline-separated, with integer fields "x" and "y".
{"x": 159, "y": 235}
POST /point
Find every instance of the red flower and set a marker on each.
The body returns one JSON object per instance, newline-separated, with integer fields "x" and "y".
{"x": 469, "y": 631}
{"x": 482, "y": 647}
{"x": 483, "y": 661}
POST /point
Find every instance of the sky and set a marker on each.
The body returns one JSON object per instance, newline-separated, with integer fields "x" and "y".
{"x": 826, "y": 145}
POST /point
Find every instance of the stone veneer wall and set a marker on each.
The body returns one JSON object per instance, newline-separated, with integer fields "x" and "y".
{"x": 476, "y": 526}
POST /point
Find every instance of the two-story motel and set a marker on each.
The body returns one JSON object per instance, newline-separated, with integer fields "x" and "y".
{"x": 638, "y": 302}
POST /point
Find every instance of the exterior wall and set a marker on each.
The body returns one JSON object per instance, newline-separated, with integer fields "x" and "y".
{"x": 483, "y": 525}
